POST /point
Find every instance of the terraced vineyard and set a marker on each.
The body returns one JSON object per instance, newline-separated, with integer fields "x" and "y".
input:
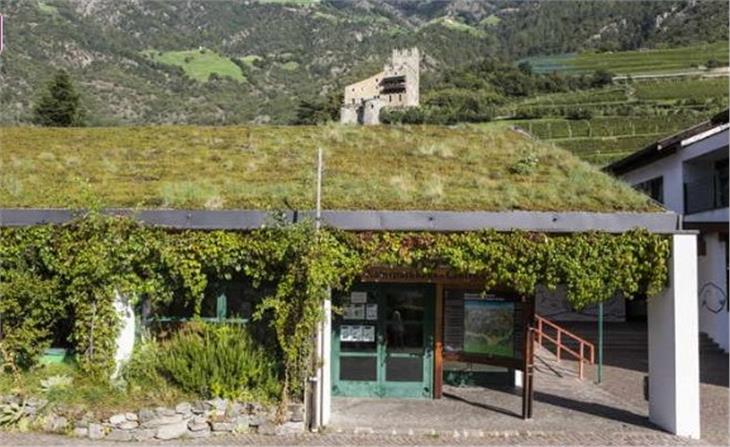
{"x": 619, "y": 119}
{"x": 659, "y": 61}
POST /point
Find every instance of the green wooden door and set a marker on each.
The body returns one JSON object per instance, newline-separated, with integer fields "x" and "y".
{"x": 383, "y": 344}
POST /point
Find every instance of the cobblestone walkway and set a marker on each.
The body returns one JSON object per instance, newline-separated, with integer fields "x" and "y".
{"x": 507, "y": 438}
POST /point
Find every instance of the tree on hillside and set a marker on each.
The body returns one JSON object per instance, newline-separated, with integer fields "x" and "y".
{"x": 319, "y": 110}
{"x": 59, "y": 106}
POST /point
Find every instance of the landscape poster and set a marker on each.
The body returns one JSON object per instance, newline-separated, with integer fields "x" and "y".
{"x": 488, "y": 327}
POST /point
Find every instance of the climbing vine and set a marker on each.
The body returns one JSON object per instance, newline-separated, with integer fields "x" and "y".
{"x": 71, "y": 273}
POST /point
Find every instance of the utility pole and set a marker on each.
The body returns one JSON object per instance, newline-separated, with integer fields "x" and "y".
{"x": 320, "y": 383}
{"x": 318, "y": 212}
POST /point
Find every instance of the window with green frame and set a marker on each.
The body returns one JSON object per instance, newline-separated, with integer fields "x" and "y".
{"x": 225, "y": 301}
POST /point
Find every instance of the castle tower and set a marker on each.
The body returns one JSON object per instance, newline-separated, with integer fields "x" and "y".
{"x": 397, "y": 86}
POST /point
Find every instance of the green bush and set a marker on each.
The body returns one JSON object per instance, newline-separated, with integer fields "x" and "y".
{"x": 219, "y": 361}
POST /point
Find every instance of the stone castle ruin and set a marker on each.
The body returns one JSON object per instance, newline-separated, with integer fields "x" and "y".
{"x": 397, "y": 86}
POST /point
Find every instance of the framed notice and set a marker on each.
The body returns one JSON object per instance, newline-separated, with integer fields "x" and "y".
{"x": 368, "y": 333}
{"x": 371, "y": 312}
{"x": 354, "y": 312}
{"x": 356, "y": 333}
{"x": 358, "y": 297}
{"x": 345, "y": 333}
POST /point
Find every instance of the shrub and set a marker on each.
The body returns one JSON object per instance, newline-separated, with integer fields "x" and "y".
{"x": 525, "y": 165}
{"x": 219, "y": 361}
{"x": 579, "y": 114}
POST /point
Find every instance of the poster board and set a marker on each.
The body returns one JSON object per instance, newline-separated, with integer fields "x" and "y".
{"x": 488, "y": 324}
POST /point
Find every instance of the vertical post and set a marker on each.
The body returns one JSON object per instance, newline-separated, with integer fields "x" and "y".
{"x": 599, "y": 370}
{"x": 580, "y": 362}
{"x": 438, "y": 363}
{"x": 560, "y": 342}
{"x": 318, "y": 211}
{"x": 674, "y": 390}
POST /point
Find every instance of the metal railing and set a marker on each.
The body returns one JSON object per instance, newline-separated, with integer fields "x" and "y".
{"x": 586, "y": 351}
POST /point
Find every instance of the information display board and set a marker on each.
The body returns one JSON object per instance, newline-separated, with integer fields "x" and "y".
{"x": 482, "y": 323}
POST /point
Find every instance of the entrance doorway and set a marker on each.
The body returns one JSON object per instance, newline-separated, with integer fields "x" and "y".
{"x": 382, "y": 344}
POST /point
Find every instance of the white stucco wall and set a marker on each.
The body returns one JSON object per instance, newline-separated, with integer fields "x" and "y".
{"x": 684, "y": 166}
{"x": 712, "y": 291}
{"x": 674, "y": 373}
{"x": 672, "y": 169}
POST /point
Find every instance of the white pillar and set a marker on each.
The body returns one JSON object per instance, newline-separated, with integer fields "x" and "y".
{"x": 674, "y": 390}
{"x": 323, "y": 398}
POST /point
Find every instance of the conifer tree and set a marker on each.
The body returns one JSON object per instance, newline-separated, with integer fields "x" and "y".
{"x": 60, "y": 105}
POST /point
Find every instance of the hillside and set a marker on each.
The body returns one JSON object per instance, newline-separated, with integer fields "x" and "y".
{"x": 253, "y": 61}
{"x": 489, "y": 167}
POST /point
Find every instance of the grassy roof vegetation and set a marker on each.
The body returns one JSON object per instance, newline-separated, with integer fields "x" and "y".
{"x": 485, "y": 167}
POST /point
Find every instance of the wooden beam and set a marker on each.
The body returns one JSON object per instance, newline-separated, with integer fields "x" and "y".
{"x": 438, "y": 365}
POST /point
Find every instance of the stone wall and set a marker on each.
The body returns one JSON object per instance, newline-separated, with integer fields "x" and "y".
{"x": 198, "y": 419}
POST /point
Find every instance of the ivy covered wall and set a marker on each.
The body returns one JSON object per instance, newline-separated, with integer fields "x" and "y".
{"x": 69, "y": 274}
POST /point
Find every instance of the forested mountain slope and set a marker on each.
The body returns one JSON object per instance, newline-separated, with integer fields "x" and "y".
{"x": 224, "y": 62}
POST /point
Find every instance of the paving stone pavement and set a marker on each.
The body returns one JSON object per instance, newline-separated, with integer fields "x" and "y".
{"x": 514, "y": 438}
{"x": 567, "y": 412}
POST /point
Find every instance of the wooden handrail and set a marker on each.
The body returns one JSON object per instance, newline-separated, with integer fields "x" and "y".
{"x": 541, "y": 335}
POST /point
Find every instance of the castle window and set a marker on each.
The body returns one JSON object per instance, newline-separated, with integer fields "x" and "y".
{"x": 399, "y": 98}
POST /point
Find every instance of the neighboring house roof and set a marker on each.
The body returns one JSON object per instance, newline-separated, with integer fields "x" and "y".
{"x": 463, "y": 168}
{"x": 669, "y": 145}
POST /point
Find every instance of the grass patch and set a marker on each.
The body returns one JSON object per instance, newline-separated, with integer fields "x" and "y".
{"x": 47, "y": 8}
{"x": 199, "y": 64}
{"x": 290, "y": 66}
{"x": 491, "y": 20}
{"x": 270, "y": 167}
{"x": 453, "y": 24}
{"x": 251, "y": 59}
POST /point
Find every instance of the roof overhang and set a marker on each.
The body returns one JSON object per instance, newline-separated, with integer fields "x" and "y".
{"x": 669, "y": 145}
{"x": 363, "y": 220}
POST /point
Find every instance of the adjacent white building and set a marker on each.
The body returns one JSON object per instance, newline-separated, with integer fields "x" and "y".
{"x": 688, "y": 174}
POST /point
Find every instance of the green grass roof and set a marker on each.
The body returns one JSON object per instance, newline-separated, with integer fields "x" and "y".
{"x": 490, "y": 168}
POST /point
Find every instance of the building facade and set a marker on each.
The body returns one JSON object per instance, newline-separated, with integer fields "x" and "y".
{"x": 396, "y": 86}
{"x": 688, "y": 174}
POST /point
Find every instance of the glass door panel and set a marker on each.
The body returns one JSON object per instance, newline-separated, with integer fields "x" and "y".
{"x": 382, "y": 342}
{"x": 408, "y": 343}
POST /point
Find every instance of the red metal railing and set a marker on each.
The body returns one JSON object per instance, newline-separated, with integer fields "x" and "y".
{"x": 586, "y": 350}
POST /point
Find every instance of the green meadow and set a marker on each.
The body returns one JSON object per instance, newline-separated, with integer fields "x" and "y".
{"x": 199, "y": 64}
